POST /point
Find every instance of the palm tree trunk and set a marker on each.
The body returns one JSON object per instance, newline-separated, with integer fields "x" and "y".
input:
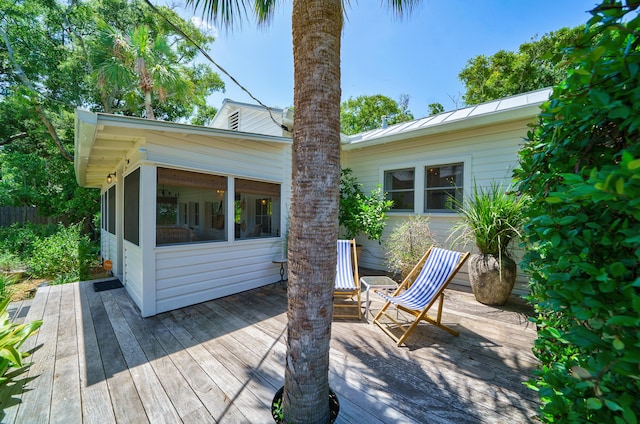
{"x": 317, "y": 27}
{"x": 147, "y": 105}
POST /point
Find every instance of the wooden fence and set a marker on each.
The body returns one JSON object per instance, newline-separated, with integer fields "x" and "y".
{"x": 16, "y": 214}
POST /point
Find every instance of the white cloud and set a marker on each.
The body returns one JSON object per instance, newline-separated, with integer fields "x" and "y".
{"x": 204, "y": 26}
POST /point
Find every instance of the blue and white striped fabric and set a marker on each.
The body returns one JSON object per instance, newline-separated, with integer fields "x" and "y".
{"x": 438, "y": 267}
{"x": 344, "y": 271}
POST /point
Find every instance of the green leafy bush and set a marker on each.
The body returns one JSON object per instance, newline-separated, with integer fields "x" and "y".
{"x": 18, "y": 240}
{"x": 5, "y": 281}
{"x": 9, "y": 262}
{"x": 66, "y": 255}
{"x": 360, "y": 213}
{"x": 581, "y": 167}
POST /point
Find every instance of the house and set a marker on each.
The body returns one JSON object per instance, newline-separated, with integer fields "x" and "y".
{"x": 423, "y": 163}
{"x": 194, "y": 213}
{"x": 189, "y": 213}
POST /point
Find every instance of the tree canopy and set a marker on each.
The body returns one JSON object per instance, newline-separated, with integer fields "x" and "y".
{"x": 52, "y": 57}
{"x": 537, "y": 64}
{"x": 365, "y": 113}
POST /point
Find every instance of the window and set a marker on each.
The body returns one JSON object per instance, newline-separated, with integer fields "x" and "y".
{"x": 257, "y": 209}
{"x": 443, "y": 187}
{"x": 111, "y": 210}
{"x": 103, "y": 211}
{"x": 190, "y": 207}
{"x": 132, "y": 207}
{"x": 399, "y": 186}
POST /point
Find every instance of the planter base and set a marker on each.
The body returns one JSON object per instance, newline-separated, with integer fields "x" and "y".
{"x": 334, "y": 405}
{"x": 491, "y": 284}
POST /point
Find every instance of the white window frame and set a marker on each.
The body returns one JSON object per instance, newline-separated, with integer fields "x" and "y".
{"x": 425, "y": 188}
{"x": 420, "y": 183}
{"x": 400, "y": 168}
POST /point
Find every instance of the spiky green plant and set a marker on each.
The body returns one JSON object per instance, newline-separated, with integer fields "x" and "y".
{"x": 491, "y": 217}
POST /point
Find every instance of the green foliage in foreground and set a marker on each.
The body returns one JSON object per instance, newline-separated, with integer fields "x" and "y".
{"x": 581, "y": 167}
{"x": 12, "y": 336}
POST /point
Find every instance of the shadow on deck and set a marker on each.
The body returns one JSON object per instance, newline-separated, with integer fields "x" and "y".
{"x": 97, "y": 360}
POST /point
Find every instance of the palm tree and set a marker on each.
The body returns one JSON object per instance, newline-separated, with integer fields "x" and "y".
{"x": 136, "y": 59}
{"x": 313, "y": 224}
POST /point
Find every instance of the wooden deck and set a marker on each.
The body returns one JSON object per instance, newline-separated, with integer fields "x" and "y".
{"x": 97, "y": 361}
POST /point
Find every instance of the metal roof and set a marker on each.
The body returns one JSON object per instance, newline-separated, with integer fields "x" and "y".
{"x": 501, "y": 110}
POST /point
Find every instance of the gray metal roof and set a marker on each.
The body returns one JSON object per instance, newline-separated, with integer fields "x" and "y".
{"x": 520, "y": 106}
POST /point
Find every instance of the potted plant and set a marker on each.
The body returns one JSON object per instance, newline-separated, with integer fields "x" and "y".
{"x": 491, "y": 218}
{"x": 360, "y": 213}
{"x": 276, "y": 406}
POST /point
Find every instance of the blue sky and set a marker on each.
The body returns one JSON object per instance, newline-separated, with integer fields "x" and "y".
{"x": 420, "y": 55}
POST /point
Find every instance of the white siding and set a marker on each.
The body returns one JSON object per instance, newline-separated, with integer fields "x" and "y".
{"x": 183, "y": 275}
{"x": 250, "y": 118}
{"x": 489, "y": 153}
{"x": 108, "y": 246}
{"x": 259, "y": 122}
{"x": 133, "y": 272}
{"x": 195, "y": 273}
{"x": 224, "y": 157}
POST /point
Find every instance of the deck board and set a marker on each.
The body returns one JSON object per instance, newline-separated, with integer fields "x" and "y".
{"x": 94, "y": 390}
{"x": 97, "y": 360}
{"x": 43, "y": 360}
{"x": 66, "y": 405}
{"x": 124, "y": 398}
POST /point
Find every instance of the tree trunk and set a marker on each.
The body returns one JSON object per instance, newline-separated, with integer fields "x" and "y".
{"x": 147, "y": 105}
{"x": 313, "y": 231}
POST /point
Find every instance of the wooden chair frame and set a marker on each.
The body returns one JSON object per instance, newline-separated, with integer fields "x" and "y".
{"x": 344, "y": 298}
{"x": 422, "y": 314}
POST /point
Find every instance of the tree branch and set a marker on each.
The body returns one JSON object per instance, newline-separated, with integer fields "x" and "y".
{"x": 12, "y": 138}
{"x": 25, "y": 80}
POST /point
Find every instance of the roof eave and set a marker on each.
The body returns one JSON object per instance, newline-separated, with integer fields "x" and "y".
{"x": 89, "y": 126}
{"x": 151, "y": 125}
{"x": 86, "y": 124}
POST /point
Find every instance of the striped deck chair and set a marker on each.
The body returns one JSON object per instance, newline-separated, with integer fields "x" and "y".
{"x": 347, "y": 282}
{"x": 416, "y": 295}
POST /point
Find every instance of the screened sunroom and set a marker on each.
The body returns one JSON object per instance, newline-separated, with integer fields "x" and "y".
{"x": 189, "y": 213}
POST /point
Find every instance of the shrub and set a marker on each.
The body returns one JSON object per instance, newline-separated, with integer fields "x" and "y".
{"x": 5, "y": 281}
{"x": 407, "y": 243}
{"x": 491, "y": 218}
{"x": 67, "y": 253}
{"x": 9, "y": 262}
{"x": 581, "y": 167}
{"x": 360, "y": 213}
{"x": 18, "y": 239}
